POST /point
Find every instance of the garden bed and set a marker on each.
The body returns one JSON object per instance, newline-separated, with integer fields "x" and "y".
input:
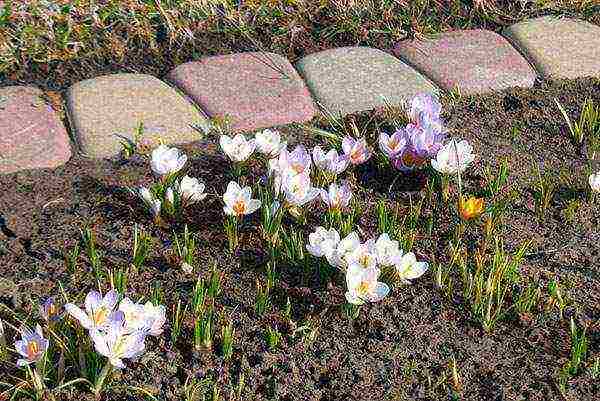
{"x": 403, "y": 347}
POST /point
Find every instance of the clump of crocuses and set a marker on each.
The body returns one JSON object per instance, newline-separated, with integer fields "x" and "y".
{"x": 363, "y": 262}
{"x": 118, "y": 329}
{"x": 412, "y": 146}
{"x": 173, "y": 191}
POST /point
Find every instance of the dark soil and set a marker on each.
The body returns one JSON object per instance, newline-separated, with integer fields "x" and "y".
{"x": 397, "y": 349}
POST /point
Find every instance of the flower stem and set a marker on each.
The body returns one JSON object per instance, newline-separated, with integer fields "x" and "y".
{"x": 101, "y": 378}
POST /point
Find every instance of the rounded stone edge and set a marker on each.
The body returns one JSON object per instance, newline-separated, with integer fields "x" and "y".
{"x": 62, "y": 151}
{"x": 527, "y": 80}
{"x": 84, "y": 150}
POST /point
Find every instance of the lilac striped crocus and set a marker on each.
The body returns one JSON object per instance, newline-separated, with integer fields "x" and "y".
{"x": 338, "y": 196}
{"x": 116, "y": 343}
{"x": 98, "y": 309}
{"x": 31, "y": 347}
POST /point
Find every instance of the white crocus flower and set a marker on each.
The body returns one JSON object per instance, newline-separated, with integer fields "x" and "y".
{"x": 238, "y": 148}
{"x": 323, "y": 242}
{"x": 170, "y": 195}
{"x": 191, "y": 189}
{"x": 116, "y": 343}
{"x": 269, "y": 142}
{"x": 594, "y": 181}
{"x": 408, "y": 268}
{"x": 363, "y": 285}
{"x": 345, "y": 248}
{"x": 238, "y": 201}
{"x": 364, "y": 255}
{"x": 143, "y": 317}
{"x": 97, "y": 310}
{"x": 338, "y": 196}
{"x": 167, "y": 160}
{"x": 453, "y": 157}
{"x": 387, "y": 250}
{"x": 330, "y": 162}
{"x": 298, "y": 189}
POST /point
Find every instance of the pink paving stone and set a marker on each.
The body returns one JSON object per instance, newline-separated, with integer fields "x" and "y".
{"x": 32, "y": 134}
{"x": 475, "y": 61}
{"x": 255, "y": 90}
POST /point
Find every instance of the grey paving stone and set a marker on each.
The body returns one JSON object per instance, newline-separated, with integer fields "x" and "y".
{"x": 559, "y": 47}
{"x": 351, "y": 79}
{"x": 255, "y": 90}
{"x": 32, "y": 134}
{"x": 103, "y": 110}
{"x": 475, "y": 61}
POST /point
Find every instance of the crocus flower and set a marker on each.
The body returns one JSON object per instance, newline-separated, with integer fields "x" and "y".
{"x": 238, "y": 148}
{"x": 425, "y": 110}
{"x": 297, "y": 161}
{"x": 116, "y": 343}
{"x": 269, "y": 142}
{"x": 238, "y": 201}
{"x": 191, "y": 189}
{"x": 408, "y": 268}
{"x": 393, "y": 145}
{"x": 338, "y": 196}
{"x": 426, "y": 139}
{"x": 363, "y": 285}
{"x": 167, "y": 160}
{"x": 298, "y": 189}
{"x": 32, "y": 346}
{"x": 471, "y": 208}
{"x": 424, "y": 104}
{"x": 170, "y": 195}
{"x": 323, "y": 242}
{"x": 356, "y": 150}
{"x": 97, "y": 310}
{"x": 331, "y": 162}
{"x": 149, "y": 199}
{"x": 364, "y": 255}
{"x": 387, "y": 250}
{"x": 454, "y": 157}
{"x": 345, "y": 248}
{"x": 594, "y": 181}
{"x": 143, "y": 317}
{"x": 49, "y": 310}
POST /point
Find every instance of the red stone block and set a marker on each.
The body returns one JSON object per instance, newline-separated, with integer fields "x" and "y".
{"x": 255, "y": 90}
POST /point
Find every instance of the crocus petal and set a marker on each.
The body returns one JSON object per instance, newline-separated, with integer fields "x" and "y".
{"x": 380, "y": 292}
{"x": 92, "y": 301}
{"x": 80, "y": 315}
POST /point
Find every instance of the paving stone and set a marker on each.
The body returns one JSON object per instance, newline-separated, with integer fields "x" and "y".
{"x": 32, "y": 134}
{"x": 255, "y": 90}
{"x": 475, "y": 61}
{"x": 351, "y": 79}
{"x": 103, "y": 110}
{"x": 559, "y": 47}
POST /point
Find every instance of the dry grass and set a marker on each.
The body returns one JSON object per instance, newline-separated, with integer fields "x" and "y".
{"x": 54, "y": 42}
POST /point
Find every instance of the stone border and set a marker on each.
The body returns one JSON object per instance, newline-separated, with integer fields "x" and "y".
{"x": 544, "y": 42}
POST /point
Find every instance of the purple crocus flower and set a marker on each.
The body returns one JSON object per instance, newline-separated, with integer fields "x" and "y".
{"x": 49, "y": 310}
{"x": 32, "y": 346}
{"x": 424, "y": 104}
{"x": 116, "y": 343}
{"x": 426, "y": 140}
